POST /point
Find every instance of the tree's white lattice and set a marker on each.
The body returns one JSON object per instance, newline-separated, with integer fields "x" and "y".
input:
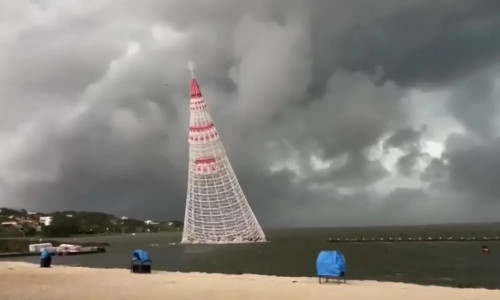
{"x": 217, "y": 210}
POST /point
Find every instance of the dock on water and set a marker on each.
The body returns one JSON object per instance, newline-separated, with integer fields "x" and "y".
{"x": 79, "y": 251}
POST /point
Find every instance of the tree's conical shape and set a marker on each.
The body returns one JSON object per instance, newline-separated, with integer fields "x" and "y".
{"x": 217, "y": 210}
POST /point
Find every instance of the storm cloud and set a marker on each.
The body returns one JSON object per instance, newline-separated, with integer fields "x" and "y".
{"x": 349, "y": 112}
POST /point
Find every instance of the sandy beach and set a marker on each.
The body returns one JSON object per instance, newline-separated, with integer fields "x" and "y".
{"x": 27, "y": 281}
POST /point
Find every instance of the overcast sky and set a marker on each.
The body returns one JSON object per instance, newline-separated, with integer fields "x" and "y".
{"x": 346, "y": 112}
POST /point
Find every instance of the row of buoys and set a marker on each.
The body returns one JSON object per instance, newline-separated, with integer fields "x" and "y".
{"x": 440, "y": 238}
{"x": 141, "y": 263}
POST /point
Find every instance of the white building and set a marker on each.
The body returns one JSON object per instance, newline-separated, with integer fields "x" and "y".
{"x": 9, "y": 223}
{"x": 46, "y": 220}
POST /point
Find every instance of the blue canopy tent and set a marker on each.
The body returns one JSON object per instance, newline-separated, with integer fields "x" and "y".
{"x": 330, "y": 264}
{"x": 141, "y": 263}
{"x": 141, "y": 256}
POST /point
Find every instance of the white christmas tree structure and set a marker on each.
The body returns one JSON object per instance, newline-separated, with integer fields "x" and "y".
{"x": 217, "y": 210}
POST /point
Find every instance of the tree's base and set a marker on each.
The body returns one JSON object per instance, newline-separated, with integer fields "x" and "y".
{"x": 222, "y": 242}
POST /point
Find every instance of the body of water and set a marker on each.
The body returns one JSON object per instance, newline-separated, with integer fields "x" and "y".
{"x": 293, "y": 252}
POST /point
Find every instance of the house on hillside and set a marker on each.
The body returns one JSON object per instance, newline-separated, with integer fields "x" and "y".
{"x": 45, "y": 220}
{"x": 9, "y": 223}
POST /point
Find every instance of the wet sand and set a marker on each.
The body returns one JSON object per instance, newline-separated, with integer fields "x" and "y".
{"x": 27, "y": 281}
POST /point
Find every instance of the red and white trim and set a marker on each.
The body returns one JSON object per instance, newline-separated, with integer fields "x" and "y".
{"x": 197, "y": 104}
{"x": 195, "y": 90}
{"x": 198, "y": 107}
{"x": 204, "y": 137}
{"x": 206, "y": 165}
{"x": 203, "y": 134}
{"x": 204, "y": 128}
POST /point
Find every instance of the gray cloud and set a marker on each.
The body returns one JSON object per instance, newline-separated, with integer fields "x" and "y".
{"x": 407, "y": 162}
{"x": 429, "y": 42}
{"x": 436, "y": 171}
{"x": 475, "y": 103}
{"x": 475, "y": 170}
{"x": 406, "y": 139}
{"x": 469, "y": 166}
{"x": 89, "y": 122}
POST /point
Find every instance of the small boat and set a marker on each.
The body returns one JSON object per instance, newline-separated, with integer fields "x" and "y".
{"x": 485, "y": 249}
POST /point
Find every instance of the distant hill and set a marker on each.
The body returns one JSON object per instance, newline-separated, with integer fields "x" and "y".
{"x": 14, "y": 223}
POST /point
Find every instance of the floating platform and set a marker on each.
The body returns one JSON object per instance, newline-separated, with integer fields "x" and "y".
{"x": 80, "y": 251}
{"x": 83, "y": 250}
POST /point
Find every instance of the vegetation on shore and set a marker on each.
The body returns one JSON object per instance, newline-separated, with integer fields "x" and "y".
{"x": 21, "y": 223}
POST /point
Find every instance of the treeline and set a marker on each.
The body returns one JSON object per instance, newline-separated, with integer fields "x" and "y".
{"x": 70, "y": 223}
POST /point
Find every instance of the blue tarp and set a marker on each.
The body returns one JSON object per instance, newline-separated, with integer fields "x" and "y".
{"x": 141, "y": 256}
{"x": 330, "y": 264}
{"x": 45, "y": 254}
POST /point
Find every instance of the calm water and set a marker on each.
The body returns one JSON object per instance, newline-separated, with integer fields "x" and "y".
{"x": 293, "y": 253}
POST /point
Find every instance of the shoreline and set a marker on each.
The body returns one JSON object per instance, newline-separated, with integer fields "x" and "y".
{"x": 160, "y": 270}
{"x": 116, "y": 283}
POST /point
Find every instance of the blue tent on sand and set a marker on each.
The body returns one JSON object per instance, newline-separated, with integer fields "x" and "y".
{"x": 330, "y": 264}
{"x": 141, "y": 263}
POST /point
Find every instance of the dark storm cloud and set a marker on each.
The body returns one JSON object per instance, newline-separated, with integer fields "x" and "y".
{"x": 111, "y": 156}
{"x": 436, "y": 171}
{"x": 99, "y": 129}
{"x": 406, "y": 139}
{"x": 358, "y": 171}
{"x": 430, "y": 42}
{"x": 3, "y": 186}
{"x": 100, "y": 166}
{"x": 475, "y": 104}
{"x": 475, "y": 169}
{"x": 406, "y": 163}
{"x": 352, "y": 114}
{"x": 470, "y": 166}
